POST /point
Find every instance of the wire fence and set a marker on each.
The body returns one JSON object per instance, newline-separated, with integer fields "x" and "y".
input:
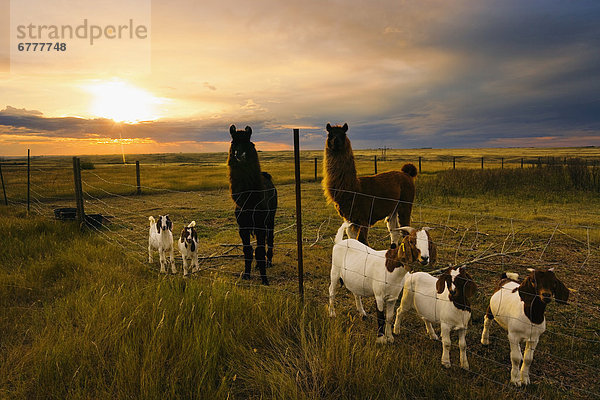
{"x": 486, "y": 243}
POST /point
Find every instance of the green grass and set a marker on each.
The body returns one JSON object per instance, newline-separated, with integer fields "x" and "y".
{"x": 83, "y": 316}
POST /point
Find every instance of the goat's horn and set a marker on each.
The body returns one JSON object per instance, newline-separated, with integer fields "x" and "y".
{"x": 407, "y": 229}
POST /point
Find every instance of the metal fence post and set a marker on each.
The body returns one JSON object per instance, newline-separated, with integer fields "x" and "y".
{"x": 28, "y": 182}
{"x": 78, "y": 191}
{"x": 375, "y": 162}
{"x": 298, "y": 214}
{"x": 137, "y": 175}
{"x": 3, "y": 188}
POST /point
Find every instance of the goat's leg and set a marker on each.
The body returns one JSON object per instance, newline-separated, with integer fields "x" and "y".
{"x": 195, "y": 265}
{"x": 260, "y": 254}
{"x": 380, "y": 320}
{"x": 462, "y": 345}
{"x": 515, "y": 359}
{"x": 359, "y": 306}
{"x": 389, "y": 316}
{"x": 405, "y": 305}
{"x": 185, "y": 265}
{"x": 150, "y": 259}
{"x": 487, "y": 321}
{"x": 430, "y": 330}
{"x": 163, "y": 260}
{"x": 172, "y": 258}
{"x": 446, "y": 345}
{"x": 530, "y": 346}
{"x": 333, "y": 286}
{"x": 393, "y": 225}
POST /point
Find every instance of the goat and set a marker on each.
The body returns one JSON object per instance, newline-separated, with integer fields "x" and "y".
{"x": 444, "y": 300}
{"x": 519, "y": 309}
{"x": 368, "y": 272}
{"x": 188, "y": 247}
{"x": 160, "y": 238}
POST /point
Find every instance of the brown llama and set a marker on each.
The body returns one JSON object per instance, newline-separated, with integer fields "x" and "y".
{"x": 255, "y": 200}
{"x": 365, "y": 200}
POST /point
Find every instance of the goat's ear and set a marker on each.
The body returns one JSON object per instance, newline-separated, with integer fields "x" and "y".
{"x": 345, "y": 127}
{"x": 527, "y": 290}
{"x": 561, "y": 292}
{"x": 432, "y": 252}
{"x": 158, "y": 223}
{"x": 194, "y": 234}
{"x": 232, "y": 130}
{"x": 328, "y": 127}
{"x": 183, "y": 235}
{"x": 391, "y": 259}
{"x": 440, "y": 285}
{"x": 470, "y": 286}
{"x": 407, "y": 251}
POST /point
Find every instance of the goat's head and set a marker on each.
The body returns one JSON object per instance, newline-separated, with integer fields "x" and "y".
{"x": 336, "y": 138}
{"x": 164, "y": 223}
{"x": 404, "y": 254}
{"x": 242, "y": 150}
{"x": 189, "y": 236}
{"x": 461, "y": 286}
{"x": 544, "y": 284}
{"x": 421, "y": 241}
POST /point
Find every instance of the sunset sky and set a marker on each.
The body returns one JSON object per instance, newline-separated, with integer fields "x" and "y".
{"x": 402, "y": 74}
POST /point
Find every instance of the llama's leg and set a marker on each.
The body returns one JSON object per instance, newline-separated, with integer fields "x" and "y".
{"x": 362, "y": 235}
{"x": 245, "y": 236}
{"x": 487, "y": 321}
{"x": 389, "y": 316}
{"x": 515, "y": 359}
{"x": 270, "y": 238}
{"x": 462, "y": 345}
{"x": 260, "y": 253}
{"x": 380, "y": 320}
{"x": 530, "y": 346}
{"x": 404, "y": 211}
{"x": 353, "y": 231}
{"x": 446, "y": 345}
{"x": 359, "y": 307}
{"x": 393, "y": 226}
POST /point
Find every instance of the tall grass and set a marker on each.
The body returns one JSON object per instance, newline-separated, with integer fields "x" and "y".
{"x": 80, "y": 319}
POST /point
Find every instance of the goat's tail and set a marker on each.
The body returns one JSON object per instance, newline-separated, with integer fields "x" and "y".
{"x": 340, "y": 233}
{"x": 513, "y": 276}
{"x": 152, "y": 220}
{"x": 192, "y": 224}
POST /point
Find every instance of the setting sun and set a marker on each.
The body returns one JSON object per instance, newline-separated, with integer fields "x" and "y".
{"x": 122, "y": 102}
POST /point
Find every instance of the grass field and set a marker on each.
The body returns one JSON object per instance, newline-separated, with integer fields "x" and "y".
{"x": 84, "y": 316}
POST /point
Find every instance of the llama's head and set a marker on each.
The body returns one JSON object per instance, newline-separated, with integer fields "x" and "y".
{"x": 242, "y": 150}
{"x": 543, "y": 284}
{"x": 163, "y": 223}
{"x": 337, "y": 141}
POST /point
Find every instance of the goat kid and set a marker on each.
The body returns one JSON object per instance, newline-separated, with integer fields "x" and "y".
{"x": 445, "y": 300}
{"x": 519, "y": 309}
{"x": 160, "y": 238}
{"x": 188, "y": 247}
{"x": 368, "y": 272}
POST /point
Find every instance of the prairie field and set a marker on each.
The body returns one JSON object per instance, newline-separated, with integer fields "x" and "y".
{"x": 83, "y": 314}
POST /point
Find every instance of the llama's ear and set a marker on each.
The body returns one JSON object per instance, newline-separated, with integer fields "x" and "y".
{"x": 328, "y": 127}
{"x": 232, "y": 130}
{"x": 345, "y": 127}
{"x": 248, "y": 131}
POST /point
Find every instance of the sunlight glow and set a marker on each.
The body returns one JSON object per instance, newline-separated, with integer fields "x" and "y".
{"x": 122, "y": 102}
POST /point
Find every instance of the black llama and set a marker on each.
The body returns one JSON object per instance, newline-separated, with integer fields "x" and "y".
{"x": 255, "y": 200}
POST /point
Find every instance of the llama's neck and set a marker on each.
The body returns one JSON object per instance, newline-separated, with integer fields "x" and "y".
{"x": 340, "y": 172}
{"x": 245, "y": 178}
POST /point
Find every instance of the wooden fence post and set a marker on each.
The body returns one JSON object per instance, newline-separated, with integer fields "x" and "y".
{"x": 453, "y": 162}
{"x": 137, "y": 175}
{"x": 78, "y": 191}
{"x": 521, "y": 162}
{"x": 375, "y": 162}
{"x": 316, "y": 169}
{"x": 3, "y": 188}
{"x": 481, "y": 162}
{"x": 28, "y": 182}
{"x": 419, "y": 164}
{"x": 502, "y": 162}
{"x": 298, "y": 214}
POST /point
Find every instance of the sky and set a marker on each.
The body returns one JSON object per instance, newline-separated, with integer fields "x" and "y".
{"x": 402, "y": 74}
